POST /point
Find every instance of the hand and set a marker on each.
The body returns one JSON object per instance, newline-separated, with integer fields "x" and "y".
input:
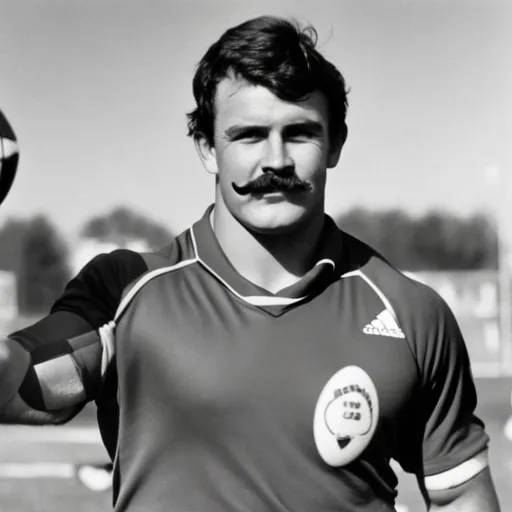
{"x": 14, "y": 363}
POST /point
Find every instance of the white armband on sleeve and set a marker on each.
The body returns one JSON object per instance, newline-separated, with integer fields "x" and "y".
{"x": 459, "y": 474}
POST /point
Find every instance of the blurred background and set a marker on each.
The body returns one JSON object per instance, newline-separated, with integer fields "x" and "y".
{"x": 97, "y": 92}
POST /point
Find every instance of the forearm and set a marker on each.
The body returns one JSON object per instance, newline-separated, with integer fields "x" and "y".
{"x": 476, "y": 495}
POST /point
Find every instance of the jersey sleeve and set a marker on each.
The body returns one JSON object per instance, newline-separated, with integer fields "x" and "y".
{"x": 66, "y": 346}
{"x": 452, "y": 437}
{"x": 95, "y": 292}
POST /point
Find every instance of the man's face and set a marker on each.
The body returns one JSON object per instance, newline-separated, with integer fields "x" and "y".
{"x": 258, "y": 138}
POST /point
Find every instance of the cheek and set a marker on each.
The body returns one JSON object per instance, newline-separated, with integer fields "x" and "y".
{"x": 233, "y": 167}
{"x": 310, "y": 161}
{"x": 237, "y": 162}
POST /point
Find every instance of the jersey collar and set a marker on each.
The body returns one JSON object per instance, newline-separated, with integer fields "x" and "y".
{"x": 328, "y": 267}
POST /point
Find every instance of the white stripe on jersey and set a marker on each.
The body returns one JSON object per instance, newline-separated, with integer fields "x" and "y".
{"x": 107, "y": 331}
{"x": 144, "y": 280}
{"x": 376, "y": 289}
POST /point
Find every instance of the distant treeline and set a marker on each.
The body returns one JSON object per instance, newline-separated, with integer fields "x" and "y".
{"x": 435, "y": 241}
{"x": 36, "y": 252}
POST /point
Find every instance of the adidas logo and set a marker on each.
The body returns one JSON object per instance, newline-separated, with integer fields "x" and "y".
{"x": 384, "y": 325}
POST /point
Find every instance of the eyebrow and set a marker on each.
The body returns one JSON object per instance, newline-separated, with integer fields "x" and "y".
{"x": 308, "y": 125}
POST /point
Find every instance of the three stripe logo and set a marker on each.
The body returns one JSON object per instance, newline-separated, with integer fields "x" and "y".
{"x": 384, "y": 325}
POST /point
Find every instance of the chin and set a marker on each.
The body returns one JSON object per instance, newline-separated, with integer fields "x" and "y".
{"x": 274, "y": 219}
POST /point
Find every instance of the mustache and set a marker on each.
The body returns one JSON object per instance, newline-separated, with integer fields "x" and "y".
{"x": 270, "y": 182}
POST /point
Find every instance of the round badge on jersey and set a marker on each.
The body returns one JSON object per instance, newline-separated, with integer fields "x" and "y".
{"x": 346, "y": 416}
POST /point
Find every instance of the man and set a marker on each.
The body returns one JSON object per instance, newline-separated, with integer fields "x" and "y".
{"x": 265, "y": 361}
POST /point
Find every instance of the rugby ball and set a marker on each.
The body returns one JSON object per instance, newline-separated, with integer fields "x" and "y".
{"x": 9, "y": 156}
{"x": 346, "y": 416}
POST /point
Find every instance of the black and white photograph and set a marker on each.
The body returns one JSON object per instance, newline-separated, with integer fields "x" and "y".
{"x": 255, "y": 256}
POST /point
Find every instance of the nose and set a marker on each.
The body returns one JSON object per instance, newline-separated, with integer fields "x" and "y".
{"x": 277, "y": 158}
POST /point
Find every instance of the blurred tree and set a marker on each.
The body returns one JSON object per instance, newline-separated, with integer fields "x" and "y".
{"x": 443, "y": 241}
{"x": 122, "y": 225}
{"x": 435, "y": 241}
{"x": 11, "y": 242}
{"x": 43, "y": 270}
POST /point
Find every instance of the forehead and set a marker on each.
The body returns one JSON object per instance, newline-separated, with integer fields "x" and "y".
{"x": 239, "y": 101}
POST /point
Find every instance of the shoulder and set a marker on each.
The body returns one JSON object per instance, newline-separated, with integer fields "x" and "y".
{"x": 407, "y": 295}
{"x": 179, "y": 250}
{"x": 95, "y": 292}
{"x": 110, "y": 271}
{"x": 420, "y": 311}
{"x": 123, "y": 261}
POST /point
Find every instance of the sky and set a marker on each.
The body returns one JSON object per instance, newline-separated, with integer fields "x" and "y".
{"x": 97, "y": 92}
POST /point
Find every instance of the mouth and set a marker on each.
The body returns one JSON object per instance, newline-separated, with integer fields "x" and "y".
{"x": 275, "y": 190}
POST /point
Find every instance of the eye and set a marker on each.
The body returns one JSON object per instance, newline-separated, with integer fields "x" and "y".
{"x": 302, "y": 134}
{"x": 250, "y": 135}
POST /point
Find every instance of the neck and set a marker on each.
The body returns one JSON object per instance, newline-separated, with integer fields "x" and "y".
{"x": 271, "y": 261}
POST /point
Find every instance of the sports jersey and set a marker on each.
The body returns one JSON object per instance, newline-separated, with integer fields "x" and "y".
{"x": 216, "y": 395}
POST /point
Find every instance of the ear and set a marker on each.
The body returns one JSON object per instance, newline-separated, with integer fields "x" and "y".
{"x": 207, "y": 154}
{"x": 335, "y": 148}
